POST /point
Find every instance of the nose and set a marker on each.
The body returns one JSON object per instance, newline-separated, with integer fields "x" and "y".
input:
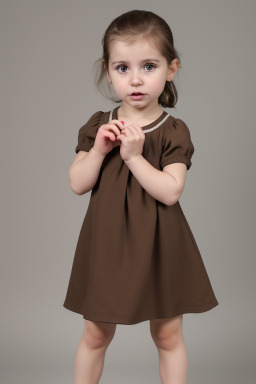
{"x": 136, "y": 77}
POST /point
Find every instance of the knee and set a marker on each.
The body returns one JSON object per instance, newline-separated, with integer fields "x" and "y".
{"x": 166, "y": 341}
{"x": 97, "y": 335}
{"x": 167, "y": 338}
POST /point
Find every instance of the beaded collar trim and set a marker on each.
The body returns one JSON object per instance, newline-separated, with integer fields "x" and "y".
{"x": 146, "y": 130}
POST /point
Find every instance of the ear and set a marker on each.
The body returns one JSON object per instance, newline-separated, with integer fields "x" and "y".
{"x": 173, "y": 69}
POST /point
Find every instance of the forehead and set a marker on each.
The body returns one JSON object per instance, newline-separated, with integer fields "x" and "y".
{"x": 139, "y": 49}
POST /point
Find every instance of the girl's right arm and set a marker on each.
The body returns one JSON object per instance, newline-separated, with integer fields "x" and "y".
{"x": 84, "y": 170}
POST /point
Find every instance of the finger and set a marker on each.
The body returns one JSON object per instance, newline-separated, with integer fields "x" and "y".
{"x": 126, "y": 131}
{"x": 112, "y": 127}
{"x": 139, "y": 130}
{"x": 110, "y": 135}
{"x": 117, "y": 122}
{"x": 121, "y": 137}
{"x": 130, "y": 131}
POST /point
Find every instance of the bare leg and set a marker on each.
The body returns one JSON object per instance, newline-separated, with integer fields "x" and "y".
{"x": 90, "y": 355}
{"x": 167, "y": 334}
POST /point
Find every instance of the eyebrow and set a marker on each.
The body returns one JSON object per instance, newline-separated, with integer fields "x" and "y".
{"x": 127, "y": 62}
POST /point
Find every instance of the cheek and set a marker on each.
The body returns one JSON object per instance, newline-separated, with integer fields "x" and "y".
{"x": 158, "y": 85}
{"x": 162, "y": 79}
{"x": 120, "y": 83}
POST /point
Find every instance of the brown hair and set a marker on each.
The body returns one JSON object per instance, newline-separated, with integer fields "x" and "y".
{"x": 129, "y": 26}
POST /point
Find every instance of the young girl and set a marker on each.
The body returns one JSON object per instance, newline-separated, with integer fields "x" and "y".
{"x": 136, "y": 258}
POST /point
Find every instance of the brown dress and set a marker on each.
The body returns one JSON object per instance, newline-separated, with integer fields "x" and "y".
{"x": 136, "y": 258}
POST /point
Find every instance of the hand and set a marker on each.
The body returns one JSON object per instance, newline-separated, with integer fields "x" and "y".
{"x": 132, "y": 140}
{"x": 106, "y": 137}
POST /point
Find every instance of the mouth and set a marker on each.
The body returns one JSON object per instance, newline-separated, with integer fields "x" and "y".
{"x": 136, "y": 93}
{"x": 137, "y": 96}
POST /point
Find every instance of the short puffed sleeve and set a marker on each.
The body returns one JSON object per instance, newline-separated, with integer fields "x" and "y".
{"x": 88, "y": 132}
{"x": 177, "y": 146}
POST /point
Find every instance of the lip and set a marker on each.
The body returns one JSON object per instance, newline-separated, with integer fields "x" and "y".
{"x": 137, "y": 97}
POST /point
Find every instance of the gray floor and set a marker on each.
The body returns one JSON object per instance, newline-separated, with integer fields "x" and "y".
{"x": 135, "y": 374}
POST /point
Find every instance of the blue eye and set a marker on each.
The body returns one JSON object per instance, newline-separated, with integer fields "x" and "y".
{"x": 123, "y": 65}
{"x": 119, "y": 66}
{"x": 151, "y": 65}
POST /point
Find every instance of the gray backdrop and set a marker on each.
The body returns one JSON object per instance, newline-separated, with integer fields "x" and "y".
{"x": 47, "y": 93}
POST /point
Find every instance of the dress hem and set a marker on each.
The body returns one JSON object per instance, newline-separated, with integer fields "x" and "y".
{"x": 184, "y": 310}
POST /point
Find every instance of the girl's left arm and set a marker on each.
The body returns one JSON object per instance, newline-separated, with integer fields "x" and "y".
{"x": 165, "y": 186}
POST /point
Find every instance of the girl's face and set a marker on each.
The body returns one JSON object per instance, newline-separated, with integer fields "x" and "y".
{"x": 139, "y": 67}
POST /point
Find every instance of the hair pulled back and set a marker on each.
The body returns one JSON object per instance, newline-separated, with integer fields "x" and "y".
{"x": 129, "y": 27}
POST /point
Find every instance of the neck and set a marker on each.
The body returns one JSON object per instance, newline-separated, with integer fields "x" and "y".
{"x": 149, "y": 112}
